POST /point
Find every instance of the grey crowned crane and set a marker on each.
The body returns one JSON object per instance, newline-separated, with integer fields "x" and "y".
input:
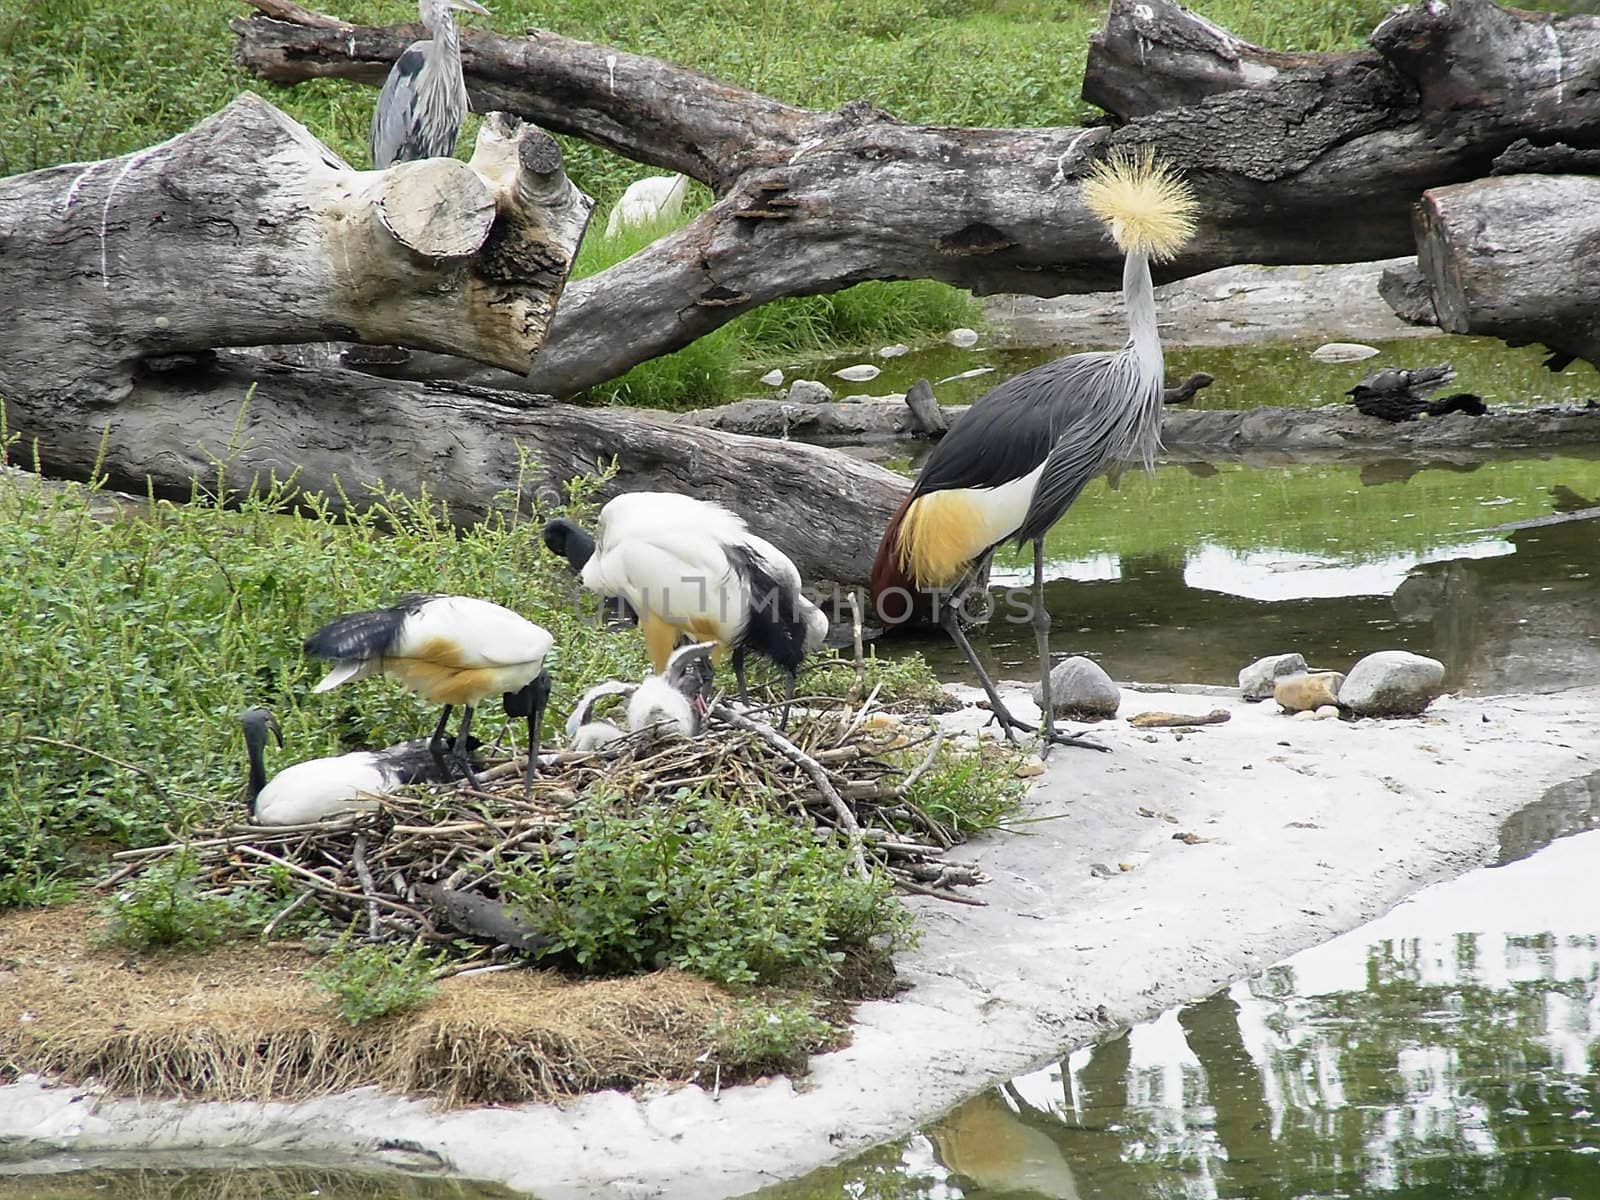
{"x": 691, "y": 568}
{"x": 1017, "y": 460}
{"x": 450, "y": 650}
{"x": 327, "y": 787}
{"x": 424, "y": 99}
{"x": 674, "y": 702}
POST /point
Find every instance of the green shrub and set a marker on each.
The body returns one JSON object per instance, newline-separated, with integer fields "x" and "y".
{"x": 775, "y": 1033}
{"x": 721, "y": 886}
{"x": 365, "y": 981}
{"x": 164, "y": 906}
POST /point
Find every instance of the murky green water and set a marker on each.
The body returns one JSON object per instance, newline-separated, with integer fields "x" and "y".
{"x": 1447, "y": 1051}
{"x": 1247, "y": 375}
{"x": 242, "y": 1183}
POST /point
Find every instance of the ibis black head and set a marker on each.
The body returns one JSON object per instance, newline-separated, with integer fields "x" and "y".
{"x": 257, "y": 721}
{"x": 689, "y": 671}
{"x": 568, "y": 539}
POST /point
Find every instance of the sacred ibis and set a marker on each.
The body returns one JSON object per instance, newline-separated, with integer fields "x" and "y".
{"x": 449, "y": 650}
{"x": 1017, "y": 460}
{"x": 327, "y": 787}
{"x": 691, "y": 568}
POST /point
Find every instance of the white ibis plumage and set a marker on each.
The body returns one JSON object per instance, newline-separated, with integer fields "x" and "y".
{"x": 450, "y": 650}
{"x": 320, "y": 788}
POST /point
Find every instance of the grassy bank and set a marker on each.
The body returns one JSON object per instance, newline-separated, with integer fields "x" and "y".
{"x": 90, "y": 79}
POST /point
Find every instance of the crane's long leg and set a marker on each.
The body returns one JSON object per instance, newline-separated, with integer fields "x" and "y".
{"x": 997, "y": 706}
{"x": 436, "y": 744}
{"x": 1048, "y": 735}
{"x": 736, "y": 659}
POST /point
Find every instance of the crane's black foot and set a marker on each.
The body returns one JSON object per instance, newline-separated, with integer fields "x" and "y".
{"x": 1051, "y": 737}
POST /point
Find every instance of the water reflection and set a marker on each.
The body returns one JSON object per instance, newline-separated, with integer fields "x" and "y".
{"x": 1447, "y": 1050}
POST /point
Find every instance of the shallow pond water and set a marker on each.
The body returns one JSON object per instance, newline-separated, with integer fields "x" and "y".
{"x": 1446, "y": 1051}
{"x": 1186, "y": 574}
{"x": 1247, "y": 374}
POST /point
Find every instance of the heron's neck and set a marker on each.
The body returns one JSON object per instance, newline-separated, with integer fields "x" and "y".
{"x": 1139, "y": 297}
{"x": 445, "y": 36}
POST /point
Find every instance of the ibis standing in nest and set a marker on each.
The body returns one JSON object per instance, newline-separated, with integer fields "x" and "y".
{"x": 450, "y": 650}
{"x": 327, "y": 787}
{"x": 691, "y": 568}
{"x": 1021, "y": 455}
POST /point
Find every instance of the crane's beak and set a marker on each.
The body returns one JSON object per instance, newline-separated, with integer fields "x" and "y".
{"x": 471, "y": 6}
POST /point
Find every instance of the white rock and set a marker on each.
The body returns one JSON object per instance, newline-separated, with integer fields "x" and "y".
{"x": 1327, "y": 712}
{"x": 1343, "y": 352}
{"x": 1258, "y": 679}
{"x": 859, "y": 373}
{"x": 1080, "y": 688}
{"x": 962, "y": 339}
{"x": 894, "y": 351}
{"x": 972, "y": 374}
{"x": 1305, "y": 714}
{"x": 810, "y": 391}
{"x": 1392, "y": 683}
{"x": 773, "y": 378}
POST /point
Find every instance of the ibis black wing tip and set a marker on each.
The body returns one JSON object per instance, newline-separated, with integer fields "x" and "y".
{"x": 357, "y": 635}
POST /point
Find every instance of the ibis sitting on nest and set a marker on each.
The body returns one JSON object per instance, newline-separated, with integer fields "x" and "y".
{"x": 691, "y": 568}
{"x": 449, "y": 650}
{"x": 1013, "y": 465}
{"x": 327, "y": 787}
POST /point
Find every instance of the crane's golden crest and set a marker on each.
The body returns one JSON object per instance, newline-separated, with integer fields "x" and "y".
{"x": 1143, "y": 201}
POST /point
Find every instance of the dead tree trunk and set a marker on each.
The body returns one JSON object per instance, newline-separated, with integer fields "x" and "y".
{"x": 124, "y": 275}
{"x": 1297, "y": 158}
{"x": 248, "y": 231}
{"x": 1516, "y": 257}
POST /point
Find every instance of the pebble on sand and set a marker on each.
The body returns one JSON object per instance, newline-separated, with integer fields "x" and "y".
{"x": 1080, "y": 688}
{"x": 1392, "y": 683}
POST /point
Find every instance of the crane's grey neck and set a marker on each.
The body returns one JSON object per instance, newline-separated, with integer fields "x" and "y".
{"x": 1139, "y": 296}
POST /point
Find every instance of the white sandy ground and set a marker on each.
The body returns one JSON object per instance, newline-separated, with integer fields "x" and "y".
{"x": 1314, "y": 828}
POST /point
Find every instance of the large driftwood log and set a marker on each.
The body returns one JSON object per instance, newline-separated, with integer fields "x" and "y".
{"x": 343, "y": 432}
{"x": 247, "y": 231}
{"x": 1297, "y": 158}
{"x": 1516, "y": 257}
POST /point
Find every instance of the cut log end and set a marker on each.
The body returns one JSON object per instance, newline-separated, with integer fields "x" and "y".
{"x": 438, "y": 208}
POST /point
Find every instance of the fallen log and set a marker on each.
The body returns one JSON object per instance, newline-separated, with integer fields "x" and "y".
{"x": 246, "y": 231}
{"x": 345, "y": 433}
{"x": 1516, "y": 257}
{"x": 1296, "y": 158}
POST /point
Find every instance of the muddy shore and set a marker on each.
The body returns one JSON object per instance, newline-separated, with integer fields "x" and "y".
{"x": 1300, "y": 830}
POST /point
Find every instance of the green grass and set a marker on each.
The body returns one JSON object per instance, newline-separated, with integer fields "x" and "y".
{"x": 88, "y": 79}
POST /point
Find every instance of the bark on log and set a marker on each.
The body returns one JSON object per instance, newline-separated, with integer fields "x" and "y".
{"x": 1321, "y": 162}
{"x": 1516, "y": 257}
{"x": 248, "y": 231}
{"x": 343, "y": 432}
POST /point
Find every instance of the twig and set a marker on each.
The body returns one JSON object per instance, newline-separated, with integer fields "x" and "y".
{"x": 144, "y": 772}
{"x": 818, "y": 773}
{"x": 358, "y": 856}
{"x": 902, "y": 882}
{"x": 283, "y": 915}
{"x": 903, "y": 788}
{"x": 855, "y": 633}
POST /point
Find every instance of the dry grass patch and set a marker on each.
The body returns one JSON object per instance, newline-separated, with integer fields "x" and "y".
{"x": 243, "y": 1023}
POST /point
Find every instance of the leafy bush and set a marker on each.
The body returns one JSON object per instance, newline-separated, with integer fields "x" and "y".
{"x": 365, "y": 981}
{"x": 164, "y": 907}
{"x": 721, "y": 886}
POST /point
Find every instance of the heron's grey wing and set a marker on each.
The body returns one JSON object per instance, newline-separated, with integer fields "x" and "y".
{"x": 397, "y": 135}
{"x": 1095, "y": 404}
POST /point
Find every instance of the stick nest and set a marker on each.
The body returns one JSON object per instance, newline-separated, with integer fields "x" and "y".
{"x": 423, "y": 865}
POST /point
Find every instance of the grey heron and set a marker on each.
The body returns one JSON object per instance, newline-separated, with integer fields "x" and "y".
{"x": 449, "y": 650}
{"x": 1012, "y": 466}
{"x": 424, "y": 99}
{"x": 689, "y": 566}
